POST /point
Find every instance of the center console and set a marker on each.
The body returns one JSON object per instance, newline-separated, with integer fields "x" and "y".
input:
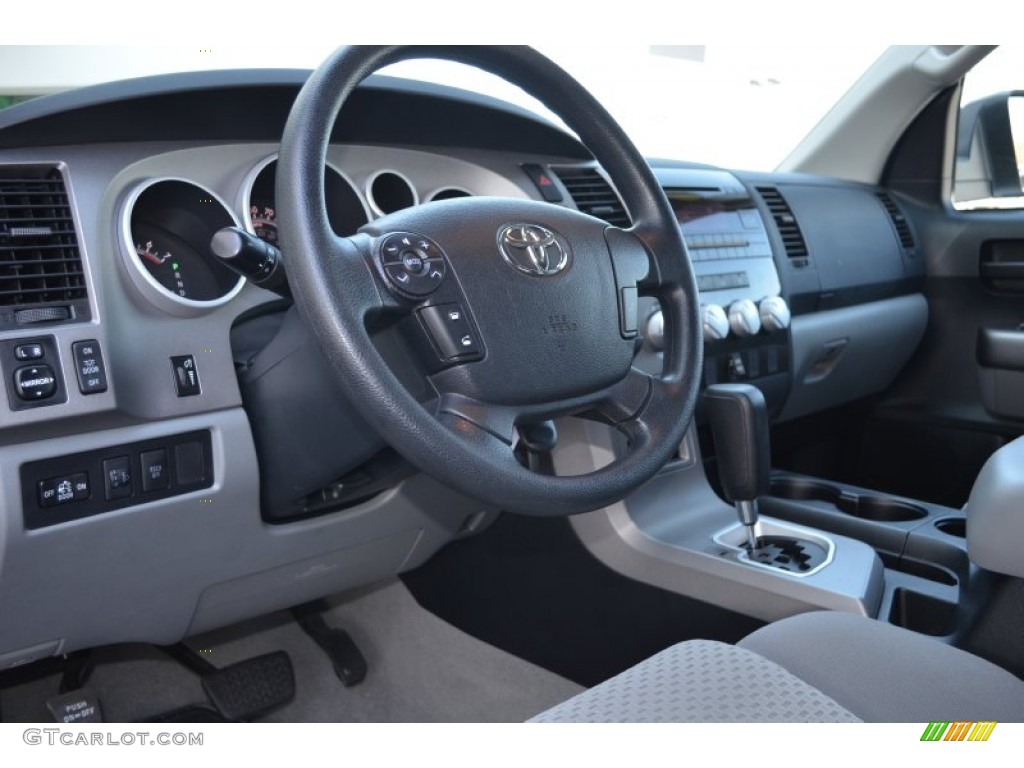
{"x": 745, "y": 318}
{"x": 922, "y": 546}
{"x": 798, "y": 543}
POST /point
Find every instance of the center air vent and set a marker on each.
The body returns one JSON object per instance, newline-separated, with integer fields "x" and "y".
{"x": 593, "y": 195}
{"x": 41, "y": 275}
{"x": 785, "y": 221}
{"x": 899, "y": 221}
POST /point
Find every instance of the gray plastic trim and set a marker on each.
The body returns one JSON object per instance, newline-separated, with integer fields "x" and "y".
{"x": 875, "y": 341}
{"x": 664, "y": 535}
{"x": 735, "y": 536}
{"x": 875, "y": 111}
{"x": 158, "y": 571}
{"x": 368, "y": 190}
{"x": 446, "y": 188}
{"x": 995, "y": 523}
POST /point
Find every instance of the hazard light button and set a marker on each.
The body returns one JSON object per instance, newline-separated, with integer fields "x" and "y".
{"x": 544, "y": 181}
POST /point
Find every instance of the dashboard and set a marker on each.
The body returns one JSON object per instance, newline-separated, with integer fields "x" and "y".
{"x": 173, "y": 453}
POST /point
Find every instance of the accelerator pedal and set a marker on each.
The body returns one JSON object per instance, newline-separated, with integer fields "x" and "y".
{"x": 252, "y": 688}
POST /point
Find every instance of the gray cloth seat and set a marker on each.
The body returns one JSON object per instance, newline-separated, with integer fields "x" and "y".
{"x": 815, "y": 667}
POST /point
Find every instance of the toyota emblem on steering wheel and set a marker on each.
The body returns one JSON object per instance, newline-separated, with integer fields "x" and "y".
{"x": 532, "y": 249}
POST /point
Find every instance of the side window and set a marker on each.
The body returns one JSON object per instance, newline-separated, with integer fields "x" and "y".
{"x": 989, "y": 162}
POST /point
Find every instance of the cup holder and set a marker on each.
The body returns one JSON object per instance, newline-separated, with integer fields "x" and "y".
{"x": 798, "y": 489}
{"x": 881, "y": 509}
{"x": 877, "y": 508}
{"x": 953, "y": 526}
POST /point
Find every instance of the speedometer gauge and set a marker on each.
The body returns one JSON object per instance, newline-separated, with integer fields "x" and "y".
{"x": 346, "y": 210}
{"x": 263, "y": 219}
{"x": 167, "y": 227}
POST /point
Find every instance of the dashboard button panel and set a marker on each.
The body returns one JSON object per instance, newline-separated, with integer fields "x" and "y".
{"x": 543, "y": 181}
{"x": 89, "y": 368}
{"x": 38, "y": 383}
{"x": 32, "y": 351}
{"x": 186, "y": 376}
{"x": 35, "y": 382}
{"x": 58, "y": 489}
{"x": 188, "y": 463}
{"x": 154, "y": 470}
{"x": 117, "y": 477}
{"x": 65, "y": 489}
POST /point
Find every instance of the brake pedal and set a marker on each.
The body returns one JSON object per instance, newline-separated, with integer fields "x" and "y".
{"x": 348, "y": 661}
{"x": 253, "y": 687}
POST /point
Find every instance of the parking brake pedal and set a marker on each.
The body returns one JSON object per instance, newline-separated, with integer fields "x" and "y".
{"x": 251, "y": 688}
{"x": 348, "y": 661}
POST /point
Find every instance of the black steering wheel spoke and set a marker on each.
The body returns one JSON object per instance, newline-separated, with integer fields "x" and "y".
{"x": 624, "y": 400}
{"x": 497, "y": 421}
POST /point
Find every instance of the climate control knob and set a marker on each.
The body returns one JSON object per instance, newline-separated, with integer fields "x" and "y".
{"x": 743, "y": 318}
{"x": 715, "y": 323}
{"x": 655, "y": 330}
{"x": 774, "y": 313}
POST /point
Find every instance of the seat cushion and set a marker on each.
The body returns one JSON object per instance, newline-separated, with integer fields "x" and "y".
{"x": 701, "y": 681}
{"x": 883, "y": 673}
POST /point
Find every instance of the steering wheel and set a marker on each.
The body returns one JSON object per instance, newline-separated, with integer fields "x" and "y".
{"x": 527, "y": 309}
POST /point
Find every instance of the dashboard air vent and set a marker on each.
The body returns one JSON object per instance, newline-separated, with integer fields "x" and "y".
{"x": 785, "y": 221}
{"x": 593, "y": 195}
{"x": 41, "y": 275}
{"x": 899, "y": 221}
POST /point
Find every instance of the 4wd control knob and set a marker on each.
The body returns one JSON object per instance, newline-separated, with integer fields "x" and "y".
{"x": 715, "y": 323}
{"x": 743, "y": 318}
{"x": 774, "y": 313}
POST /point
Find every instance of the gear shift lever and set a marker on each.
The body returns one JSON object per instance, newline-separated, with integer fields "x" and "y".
{"x": 739, "y": 423}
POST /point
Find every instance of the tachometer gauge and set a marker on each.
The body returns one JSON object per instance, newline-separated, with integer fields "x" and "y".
{"x": 167, "y": 227}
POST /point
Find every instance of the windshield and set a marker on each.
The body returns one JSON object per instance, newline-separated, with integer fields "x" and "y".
{"x": 736, "y": 106}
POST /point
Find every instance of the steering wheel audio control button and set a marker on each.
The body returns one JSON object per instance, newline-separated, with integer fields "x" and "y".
{"x": 413, "y": 264}
{"x": 416, "y": 278}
